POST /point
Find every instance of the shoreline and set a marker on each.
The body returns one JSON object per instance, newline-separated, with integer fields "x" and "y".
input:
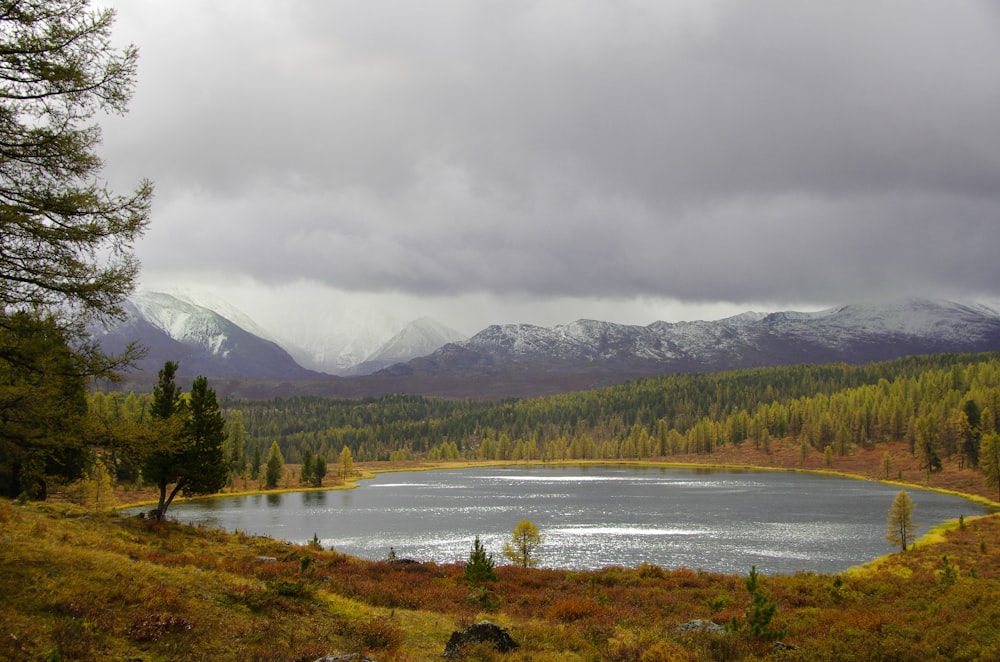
{"x": 933, "y": 535}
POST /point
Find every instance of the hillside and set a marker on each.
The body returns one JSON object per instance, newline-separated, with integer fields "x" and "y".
{"x": 95, "y": 586}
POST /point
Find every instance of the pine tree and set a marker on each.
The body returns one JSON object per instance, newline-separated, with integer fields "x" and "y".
{"x": 275, "y": 466}
{"x": 305, "y": 474}
{"x": 319, "y": 471}
{"x": 189, "y": 440}
{"x": 479, "y": 568}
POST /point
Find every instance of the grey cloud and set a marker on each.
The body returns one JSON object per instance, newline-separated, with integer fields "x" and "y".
{"x": 703, "y": 151}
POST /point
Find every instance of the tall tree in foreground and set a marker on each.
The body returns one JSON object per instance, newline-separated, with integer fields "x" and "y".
{"x": 67, "y": 239}
{"x": 523, "y": 545}
{"x": 989, "y": 460}
{"x": 899, "y": 530}
{"x": 66, "y": 258}
{"x": 188, "y": 441}
{"x": 42, "y": 407}
{"x": 205, "y": 432}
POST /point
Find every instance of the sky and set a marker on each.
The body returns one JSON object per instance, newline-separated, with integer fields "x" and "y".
{"x": 542, "y": 161}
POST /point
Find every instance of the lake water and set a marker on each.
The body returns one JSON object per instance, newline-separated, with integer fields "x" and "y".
{"x": 594, "y": 516}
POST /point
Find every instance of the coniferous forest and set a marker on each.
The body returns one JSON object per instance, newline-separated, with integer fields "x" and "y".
{"x": 941, "y": 406}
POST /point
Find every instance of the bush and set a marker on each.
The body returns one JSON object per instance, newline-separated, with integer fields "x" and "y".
{"x": 376, "y": 632}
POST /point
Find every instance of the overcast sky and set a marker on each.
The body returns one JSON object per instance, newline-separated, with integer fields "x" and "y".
{"x": 485, "y": 161}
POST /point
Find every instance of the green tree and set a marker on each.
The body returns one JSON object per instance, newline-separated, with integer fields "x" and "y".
{"x": 67, "y": 238}
{"x": 761, "y": 612}
{"x": 899, "y": 530}
{"x": 973, "y": 433}
{"x": 479, "y": 568}
{"x": 205, "y": 433}
{"x": 305, "y": 473}
{"x": 236, "y": 441}
{"x": 255, "y": 462}
{"x": 275, "y": 466}
{"x": 163, "y": 460}
{"x": 318, "y": 471}
{"x": 188, "y": 438}
{"x": 43, "y": 406}
{"x": 523, "y": 545}
{"x": 989, "y": 460}
{"x": 346, "y": 463}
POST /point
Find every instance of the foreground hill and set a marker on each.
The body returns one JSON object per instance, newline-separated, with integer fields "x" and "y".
{"x": 77, "y": 585}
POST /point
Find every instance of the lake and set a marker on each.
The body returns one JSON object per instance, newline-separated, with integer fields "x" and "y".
{"x": 594, "y": 516}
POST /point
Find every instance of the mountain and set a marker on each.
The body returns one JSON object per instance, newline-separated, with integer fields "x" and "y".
{"x": 418, "y": 338}
{"x": 337, "y": 340}
{"x": 202, "y": 341}
{"x": 522, "y": 359}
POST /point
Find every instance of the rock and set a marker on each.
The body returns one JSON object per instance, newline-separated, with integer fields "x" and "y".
{"x": 266, "y": 559}
{"x": 353, "y": 657}
{"x": 481, "y": 632}
{"x": 403, "y": 562}
{"x": 781, "y": 646}
{"x": 699, "y": 625}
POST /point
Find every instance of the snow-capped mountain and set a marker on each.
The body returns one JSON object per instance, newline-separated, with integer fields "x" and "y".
{"x": 607, "y": 351}
{"x": 206, "y": 341}
{"x": 418, "y": 338}
{"x": 526, "y": 360}
{"x": 202, "y": 341}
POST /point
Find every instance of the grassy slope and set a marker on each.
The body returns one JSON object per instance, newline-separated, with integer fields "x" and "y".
{"x": 85, "y": 586}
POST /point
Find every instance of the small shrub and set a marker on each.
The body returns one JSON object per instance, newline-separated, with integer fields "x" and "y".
{"x": 665, "y": 651}
{"x": 376, "y": 632}
{"x": 484, "y": 598}
{"x": 73, "y": 641}
{"x": 572, "y": 609}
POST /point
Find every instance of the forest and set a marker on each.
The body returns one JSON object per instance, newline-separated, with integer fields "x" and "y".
{"x": 941, "y": 406}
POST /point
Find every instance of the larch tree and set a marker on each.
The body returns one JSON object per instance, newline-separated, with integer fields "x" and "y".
{"x": 899, "y": 530}
{"x": 989, "y": 460}
{"x": 346, "y": 463}
{"x": 523, "y": 545}
{"x": 67, "y": 257}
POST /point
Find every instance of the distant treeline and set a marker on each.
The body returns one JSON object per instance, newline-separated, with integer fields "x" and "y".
{"x": 940, "y": 404}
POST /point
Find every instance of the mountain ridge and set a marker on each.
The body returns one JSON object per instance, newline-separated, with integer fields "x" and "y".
{"x": 523, "y": 360}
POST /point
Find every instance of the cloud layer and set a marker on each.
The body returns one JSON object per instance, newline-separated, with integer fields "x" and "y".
{"x": 697, "y": 151}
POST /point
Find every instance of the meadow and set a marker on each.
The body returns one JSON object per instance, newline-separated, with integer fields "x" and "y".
{"x": 79, "y": 584}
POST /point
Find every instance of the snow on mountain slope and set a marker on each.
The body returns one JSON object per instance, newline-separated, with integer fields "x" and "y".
{"x": 200, "y": 340}
{"x": 337, "y": 340}
{"x": 852, "y": 333}
{"x": 184, "y": 322}
{"x": 418, "y": 338}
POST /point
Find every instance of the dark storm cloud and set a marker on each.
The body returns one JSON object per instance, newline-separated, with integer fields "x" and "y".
{"x": 702, "y": 151}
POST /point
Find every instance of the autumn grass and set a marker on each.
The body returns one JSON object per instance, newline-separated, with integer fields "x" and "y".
{"x": 81, "y": 585}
